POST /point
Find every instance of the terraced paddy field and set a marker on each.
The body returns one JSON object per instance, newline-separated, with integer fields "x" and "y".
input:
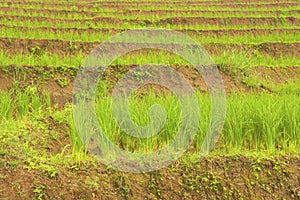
{"x": 255, "y": 47}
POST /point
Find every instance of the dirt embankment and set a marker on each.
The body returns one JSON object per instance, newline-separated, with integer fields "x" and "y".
{"x": 236, "y": 177}
{"x": 63, "y": 48}
{"x": 124, "y": 5}
{"x": 192, "y": 32}
{"x": 246, "y": 21}
{"x": 35, "y": 76}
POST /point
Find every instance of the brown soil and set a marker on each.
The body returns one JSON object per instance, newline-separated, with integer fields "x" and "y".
{"x": 18, "y": 45}
{"x": 62, "y": 48}
{"x": 271, "y": 21}
{"x": 192, "y": 32}
{"x": 121, "y": 5}
{"x": 214, "y": 177}
{"x": 5, "y": 81}
{"x": 208, "y": 178}
{"x": 217, "y": 177}
{"x": 278, "y": 75}
{"x": 61, "y": 95}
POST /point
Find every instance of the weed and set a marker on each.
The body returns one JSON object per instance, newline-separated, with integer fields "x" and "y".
{"x": 39, "y": 191}
{"x": 36, "y": 51}
{"x": 12, "y": 164}
{"x": 253, "y": 21}
{"x": 211, "y": 181}
{"x": 282, "y": 20}
{"x": 227, "y": 21}
{"x": 72, "y": 46}
{"x": 120, "y": 183}
{"x": 251, "y": 81}
{"x": 62, "y": 82}
{"x": 92, "y": 182}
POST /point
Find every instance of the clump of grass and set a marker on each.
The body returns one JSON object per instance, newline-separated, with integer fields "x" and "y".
{"x": 233, "y": 60}
{"x": 266, "y": 123}
{"x": 254, "y": 123}
{"x": 18, "y": 103}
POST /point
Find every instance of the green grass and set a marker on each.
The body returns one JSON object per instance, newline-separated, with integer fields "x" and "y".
{"x": 255, "y": 123}
{"x": 149, "y": 16}
{"x": 88, "y": 24}
{"x": 42, "y": 141}
{"x": 27, "y": 134}
{"x": 97, "y": 8}
{"x": 18, "y": 104}
{"x": 43, "y": 60}
{"x": 229, "y": 60}
{"x": 266, "y": 122}
{"x": 34, "y": 23}
{"x": 291, "y": 87}
{"x": 73, "y": 35}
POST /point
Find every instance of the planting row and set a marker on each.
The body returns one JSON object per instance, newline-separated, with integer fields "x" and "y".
{"x": 203, "y": 24}
{"x": 149, "y": 13}
{"x": 13, "y": 46}
{"x": 96, "y": 7}
{"x": 234, "y": 60}
{"x": 143, "y": 15}
{"x": 184, "y": 22}
{"x": 149, "y": 6}
{"x": 254, "y": 123}
{"x": 288, "y": 36}
{"x": 7, "y": 29}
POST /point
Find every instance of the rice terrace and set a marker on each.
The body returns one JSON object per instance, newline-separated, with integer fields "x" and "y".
{"x": 129, "y": 99}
